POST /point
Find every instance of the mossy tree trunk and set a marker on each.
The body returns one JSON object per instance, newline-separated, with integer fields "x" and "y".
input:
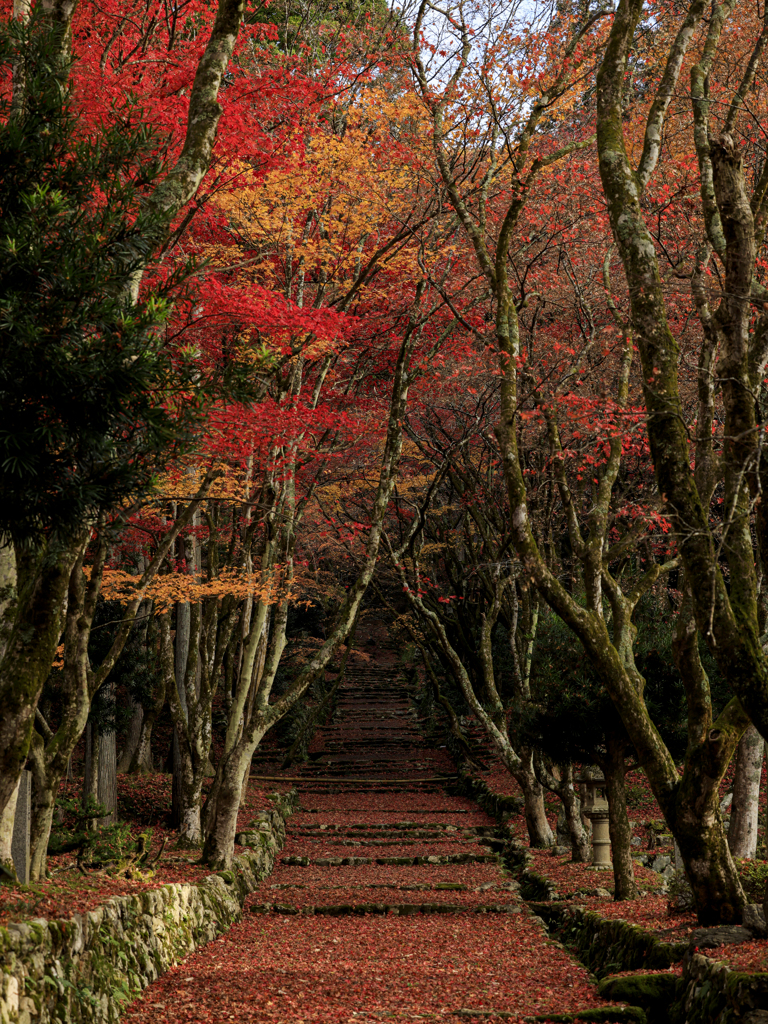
{"x": 619, "y": 827}
{"x": 106, "y": 788}
{"x": 142, "y": 761}
{"x": 191, "y": 672}
{"x": 132, "y": 738}
{"x": 726, "y": 615}
{"x": 32, "y": 626}
{"x": 539, "y": 830}
{"x": 232, "y": 777}
{"x": 91, "y": 763}
{"x": 559, "y": 779}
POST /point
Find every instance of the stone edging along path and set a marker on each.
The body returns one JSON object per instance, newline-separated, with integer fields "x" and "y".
{"x": 84, "y": 970}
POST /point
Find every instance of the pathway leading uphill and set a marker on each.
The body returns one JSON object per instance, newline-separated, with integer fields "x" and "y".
{"x": 388, "y": 904}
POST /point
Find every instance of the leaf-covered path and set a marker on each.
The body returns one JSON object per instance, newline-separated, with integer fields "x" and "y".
{"x": 389, "y": 902}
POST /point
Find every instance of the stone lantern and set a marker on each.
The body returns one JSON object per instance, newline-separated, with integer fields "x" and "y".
{"x": 596, "y": 809}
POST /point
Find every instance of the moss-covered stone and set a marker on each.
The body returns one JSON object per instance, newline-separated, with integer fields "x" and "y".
{"x": 654, "y": 992}
{"x": 612, "y": 1014}
{"x": 534, "y": 886}
{"x": 498, "y": 805}
{"x": 708, "y": 993}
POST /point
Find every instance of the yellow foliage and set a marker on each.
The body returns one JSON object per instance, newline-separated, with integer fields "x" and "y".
{"x": 165, "y": 591}
{"x": 307, "y": 228}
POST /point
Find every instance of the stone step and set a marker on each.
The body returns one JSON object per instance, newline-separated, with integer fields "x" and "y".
{"x": 354, "y": 862}
{"x": 335, "y": 791}
{"x": 400, "y": 842}
{"x": 401, "y": 909}
{"x": 365, "y": 810}
{"x": 500, "y": 887}
{"x": 331, "y": 778}
{"x": 366, "y": 829}
{"x": 385, "y": 738}
{"x": 386, "y": 770}
{"x": 415, "y": 830}
{"x": 342, "y": 756}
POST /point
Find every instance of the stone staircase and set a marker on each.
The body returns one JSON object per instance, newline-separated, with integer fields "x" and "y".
{"x": 375, "y": 820}
{"x": 372, "y": 743}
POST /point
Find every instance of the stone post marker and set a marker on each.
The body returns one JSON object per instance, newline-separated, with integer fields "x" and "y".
{"x": 21, "y": 827}
{"x": 596, "y": 809}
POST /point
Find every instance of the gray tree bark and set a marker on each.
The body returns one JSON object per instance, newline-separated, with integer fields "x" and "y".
{"x": 742, "y": 833}
{"x": 6, "y": 835}
{"x": 91, "y": 764}
{"x": 132, "y": 739}
{"x": 181, "y": 653}
{"x": 106, "y": 785}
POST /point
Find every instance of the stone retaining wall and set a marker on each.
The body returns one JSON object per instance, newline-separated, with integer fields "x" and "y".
{"x": 85, "y": 969}
{"x": 607, "y": 945}
{"x": 714, "y": 994}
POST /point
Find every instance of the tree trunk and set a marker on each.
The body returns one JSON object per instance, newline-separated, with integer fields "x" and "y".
{"x": 106, "y": 785}
{"x": 189, "y": 773}
{"x": 142, "y": 758}
{"x": 697, "y": 825}
{"x": 219, "y": 847}
{"x": 142, "y": 762}
{"x": 91, "y": 766}
{"x": 7, "y": 870}
{"x": 191, "y": 719}
{"x": 7, "y": 586}
{"x": 539, "y": 832}
{"x": 558, "y": 779}
{"x": 132, "y": 739}
{"x": 33, "y": 627}
{"x": 181, "y": 653}
{"x": 742, "y": 833}
{"x": 43, "y": 807}
{"x": 580, "y": 844}
{"x": 619, "y": 827}
{"x": 190, "y": 826}
{"x": 712, "y": 874}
